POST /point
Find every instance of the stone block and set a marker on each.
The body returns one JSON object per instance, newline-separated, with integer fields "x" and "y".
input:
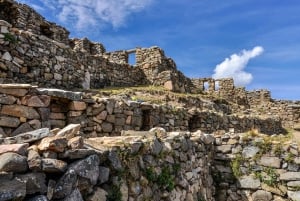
{"x": 77, "y": 105}
{"x": 55, "y": 116}
{"x": 12, "y": 190}
{"x": 7, "y": 99}
{"x": 20, "y": 111}
{"x": 11, "y": 122}
{"x": 50, "y": 165}
{"x": 15, "y": 148}
{"x": 270, "y": 161}
{"x": 12, "y": 162}
{"x": 55, "y": 144}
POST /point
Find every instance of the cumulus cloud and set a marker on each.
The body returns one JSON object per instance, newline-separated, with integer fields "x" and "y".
{"x": 85, "y": 13}
{"x": 235, "y": 66}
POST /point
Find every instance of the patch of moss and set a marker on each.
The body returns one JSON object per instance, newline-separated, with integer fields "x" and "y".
{"x": 10, "y": 38}
{"x": 114, "y": 194}
{"x": 236, "y": 165}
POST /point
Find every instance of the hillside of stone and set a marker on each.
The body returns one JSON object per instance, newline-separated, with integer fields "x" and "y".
{"x": 80, "y": 123}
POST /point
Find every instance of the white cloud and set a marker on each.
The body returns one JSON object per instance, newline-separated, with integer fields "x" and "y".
{"x": 235, "y": 66}
{"x": 87, "y": 13}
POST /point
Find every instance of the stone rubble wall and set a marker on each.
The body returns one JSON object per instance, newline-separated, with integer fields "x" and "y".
{"x": 61, "y": 165}
{"x": 256, "y": 167}
{"x": 25, "y": 108}
{"x": 29, "y": 58}
{"x": 25, "y": 18}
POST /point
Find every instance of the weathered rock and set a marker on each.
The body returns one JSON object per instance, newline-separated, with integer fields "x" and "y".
{"x": 224, "y": 148}
{"x": 38, "y": 198}
{"x": 270, "y": 161}
{"x": 9, "y": 121}
{"x": 54, "y": 143}
{"x": 207, "y": 138}
{"x": 87, "y": 168}
{"x": 290, "y": 176}
{"x": 74, "y": 196}
{"x": 12, "y": 190}
{"x": 53, "y": 165}
{"x": 115, "y": 160}
{"x": 248, "y": 182}
{"x": 262, "y": 196}
{"x": 36, "y": 101}
{"x": 34, "y": 160}
{"x": 69, "y": 131}
{"x": 156, "y": 147}
{"x": 107, "y": 127}
{"x": 35, "y": 182}
{"x": 77, "y": 153}
{"x": 20, "y": 111}
{"x": 23, "y": 128}
{"x": 294, "y": 184}
{"x": 294, "y": 195}
{"x": 76, "y": 105}
{"x": 250, "y": 151}
{"x": 16, "y": 148}
{"x": 12, "y": 162}
{"x": 14, "y": 92}
{"x": 103, "y": 174}
{"x": 7, "y": 99}
{"x": 271, "y": 189}
{"x": 76, "y": 96}
{"x": 28, "y": 137}
{"x": 65, "y": 185}
{"x": 76, "y": 143}
{"x": 99, "y": 195}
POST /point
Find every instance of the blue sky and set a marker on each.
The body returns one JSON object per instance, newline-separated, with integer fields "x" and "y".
{"x": 258, "y": 41}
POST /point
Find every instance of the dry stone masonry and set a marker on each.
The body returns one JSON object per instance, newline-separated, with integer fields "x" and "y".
{"x": 202, "y": 141}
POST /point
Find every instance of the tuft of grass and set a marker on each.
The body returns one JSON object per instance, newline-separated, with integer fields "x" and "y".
{"x": 236, "y": 165}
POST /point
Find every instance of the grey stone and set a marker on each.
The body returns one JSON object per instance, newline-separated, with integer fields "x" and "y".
{"x": 248, "y": 182}
{"x": 261, "y": 195}
{"x": 76, "y": 153}
{"x": 103, "y": 174}
{"x": 74, "y": 196}
{"x": 293, "y": 184}
{"x": 87, "y": 168}
{"x": 294, "y": 195}
{"x": 7, "y": 99}
{"x": 65, "y": 185}
{"x": 29, "y": 136}
{"x": 38, "y": 198}
{"x": 270, "y": 161}
{"x": 23, "y": 128}
{"x": 290, "y": 176}
{"x": 6, "y": 56}
{"x": 9, "y": 121}
{"x": 99, "y": 195}
{"x": 224, "y": 148}
{"x": 207, "y": 138}
{"x": 156, "y": 147}
{"x": 115, "y": 160}
{"x": 107, "y": 127}
{"x": 75, "y": 96}
{"x": 35, "y": 182}
{"x": 12, "y": 162}
{"x": 50, "y": 165}
{"x": 12, "y": 190}
{"x": 250, "y": 151}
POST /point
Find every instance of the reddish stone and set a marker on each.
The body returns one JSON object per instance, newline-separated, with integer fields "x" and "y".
{"x": 57, "y": 116}
{"x": 16, "y": 148}
{"x": 77, "y": 105}
{"x": 53, "y": 144}
{"x": 20, "y": 111}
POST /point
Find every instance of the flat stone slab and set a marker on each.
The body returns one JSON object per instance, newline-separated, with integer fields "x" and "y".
{"x": 290, "y": 176}
{"x": 270, "y": 161}
{"x": 75, "y": 96}
{"x": 248, "y": 182}
{"x": 17, "y": 86}
{"x": 30, "y": 136}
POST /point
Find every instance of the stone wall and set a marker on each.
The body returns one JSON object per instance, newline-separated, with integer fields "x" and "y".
{"x": 25, "y": 18}
{"x": 60, "y": 165}
{"x": 25, "y": 108}
{"x": 256, "y": 167}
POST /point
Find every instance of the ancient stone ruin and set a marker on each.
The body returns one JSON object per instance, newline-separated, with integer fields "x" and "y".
{"x": 67, "y": 133}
